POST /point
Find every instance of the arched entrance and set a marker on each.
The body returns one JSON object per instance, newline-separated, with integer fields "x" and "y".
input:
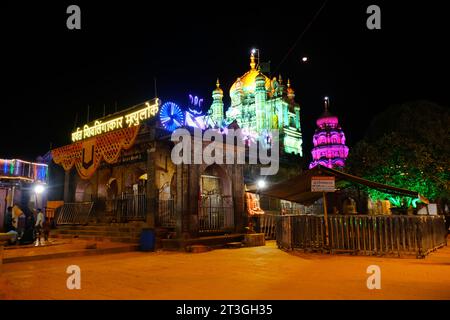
{"x": 166, "y": 203}
{"x": 216, "y": 212}
{"x": 84, "y": 192}
{"x": 112, "y": 191}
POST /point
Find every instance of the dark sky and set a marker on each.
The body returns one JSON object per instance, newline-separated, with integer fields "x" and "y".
{"x": 51, "y": 73}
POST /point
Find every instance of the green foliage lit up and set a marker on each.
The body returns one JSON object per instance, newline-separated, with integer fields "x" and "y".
{"x": 407, "y": 146}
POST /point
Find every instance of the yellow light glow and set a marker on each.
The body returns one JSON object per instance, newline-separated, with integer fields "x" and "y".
{"x": 248, "y": 82}
{"x": 129, "y": 120}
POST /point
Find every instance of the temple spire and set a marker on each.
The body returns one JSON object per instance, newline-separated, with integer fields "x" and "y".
{"x": 327, "y": 103}
{"x": 252, "y": 61}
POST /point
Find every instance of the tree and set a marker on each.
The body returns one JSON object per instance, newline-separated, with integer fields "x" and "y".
{"x": 407, "y": 146}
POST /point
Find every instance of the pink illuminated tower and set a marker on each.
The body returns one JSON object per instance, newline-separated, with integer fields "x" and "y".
{"x": 329, "y": 142}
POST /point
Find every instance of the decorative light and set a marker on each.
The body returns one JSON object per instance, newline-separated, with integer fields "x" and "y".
{"x": 305, "y": 59}
{"x": 253, "y": 51}
{"x": 261, "y": 184}
{"x": 195, "y": 122}
{"x": 39, "y": 188}
{"x": 131, "y": 119}
{"x": 329, "y": 142}
{"x": 171, "y": 116}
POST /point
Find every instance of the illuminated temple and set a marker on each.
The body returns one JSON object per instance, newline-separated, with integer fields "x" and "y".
{"x": 259, "y": 104}
{"x": 329, "y": 142}
{"x": 119, "y": 168}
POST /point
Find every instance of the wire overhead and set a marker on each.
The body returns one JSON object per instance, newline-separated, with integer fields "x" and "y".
{"x": 301, "y": 35}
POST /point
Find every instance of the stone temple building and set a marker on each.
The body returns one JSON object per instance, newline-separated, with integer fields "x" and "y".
{"x": 119, "y": 177}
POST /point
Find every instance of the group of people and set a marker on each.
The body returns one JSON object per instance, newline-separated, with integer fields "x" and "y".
{"x": 27, "y": 227}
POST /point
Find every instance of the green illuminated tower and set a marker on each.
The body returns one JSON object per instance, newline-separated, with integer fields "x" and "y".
{"x": 217, "y": 105}
{"x": 259, "y": 104}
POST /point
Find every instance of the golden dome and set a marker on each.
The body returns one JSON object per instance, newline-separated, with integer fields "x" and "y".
{"x": 247, "y": 81}
{"x": 218, "y": 89}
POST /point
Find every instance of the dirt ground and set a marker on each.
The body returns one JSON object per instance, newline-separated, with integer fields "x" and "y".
{"x": 248, "y": 273}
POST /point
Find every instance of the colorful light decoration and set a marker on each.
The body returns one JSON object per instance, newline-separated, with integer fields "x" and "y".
{"x": 171, "y": 116}
{"x": 195, "y": 117}
{"x": 144, "y": 112}
{"x": 195, "y": 122}
{"x": 11, "y": 169}
{"x": 259, "y": 103}
{"x": 196, "y": 105}
{"x": 329, "y": 142}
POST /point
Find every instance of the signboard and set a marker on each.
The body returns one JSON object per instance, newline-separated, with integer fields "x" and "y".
{"x": 323, "y": 184}
{"x": 145, "y": 111}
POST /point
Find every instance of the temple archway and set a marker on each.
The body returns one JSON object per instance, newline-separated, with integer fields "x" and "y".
{"x": 84, "y": 192}
{"x": 216, "y": 212}
{"x": 112, "y": 189}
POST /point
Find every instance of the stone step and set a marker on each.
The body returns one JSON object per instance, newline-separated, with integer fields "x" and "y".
{"x": 96, "y": 232}
{"x": 99, "y": 228}
{"x": 210, "y": 241}
{"x": 97, "y": 238}
{"x": 234, "y": 245}
{"x": 128, "y": 233}
{"x": 197, "y": 248}
{"x": 100, "y": 250}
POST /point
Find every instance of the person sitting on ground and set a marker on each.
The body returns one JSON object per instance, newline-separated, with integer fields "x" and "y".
{"x": 13, "y": 239}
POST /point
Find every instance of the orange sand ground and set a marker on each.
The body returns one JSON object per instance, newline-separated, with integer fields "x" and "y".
{"x": 248, "y": 273}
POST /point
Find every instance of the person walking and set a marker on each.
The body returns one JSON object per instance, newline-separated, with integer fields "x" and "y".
{"x": 39, "y": 226}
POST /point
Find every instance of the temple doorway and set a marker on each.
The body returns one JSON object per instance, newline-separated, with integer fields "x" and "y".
{"x": 84, "y": 192}
{"x": 112, "y": 191}
{"x": 216, "y": 212}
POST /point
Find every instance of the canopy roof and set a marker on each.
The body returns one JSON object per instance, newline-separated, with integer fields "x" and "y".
{"x": 298, "y": 188}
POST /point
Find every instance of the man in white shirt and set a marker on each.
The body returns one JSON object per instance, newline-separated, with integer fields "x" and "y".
{"x": 38, "y": 226}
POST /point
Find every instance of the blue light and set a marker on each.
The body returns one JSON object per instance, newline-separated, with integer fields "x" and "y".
{"x": 171, "y": 116}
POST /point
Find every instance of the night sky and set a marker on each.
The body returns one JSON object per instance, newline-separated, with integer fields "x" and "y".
{"x": 50, "y": 73}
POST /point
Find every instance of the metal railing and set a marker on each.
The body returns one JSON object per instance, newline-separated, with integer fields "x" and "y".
{"x": 129, "y": 207}
{"x": 215, "y": 219}
{"x": 215, "y": 213}
{"x": 166, "y": 213}
{"x": 267, "y": 225}
{"x": 75, "y": 213}
{"x": 358, "y": 234}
